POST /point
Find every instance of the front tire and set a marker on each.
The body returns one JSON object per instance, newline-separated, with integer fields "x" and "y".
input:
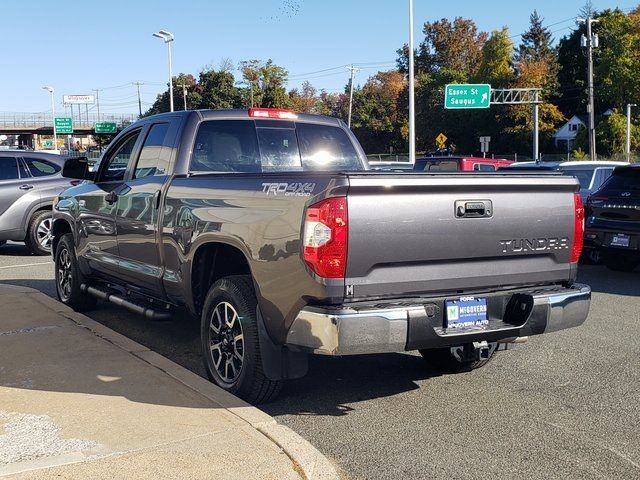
{"x": 230, "y": 344}
{"x": 39, "y": 236}
{"x": 449, "y": 359}
{"x": 69, "y": 278}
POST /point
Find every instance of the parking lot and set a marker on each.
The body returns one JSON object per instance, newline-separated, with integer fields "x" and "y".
{"x": 562, "y": 405}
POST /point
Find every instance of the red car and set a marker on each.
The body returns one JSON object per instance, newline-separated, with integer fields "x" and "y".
{"x": 460, "y": 164}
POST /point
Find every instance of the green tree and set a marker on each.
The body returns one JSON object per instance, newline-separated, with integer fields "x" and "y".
{"x": 495, "y": 65}
{"x": 455, "y": 46}
{"x": 218, "y": 90}
{"x": 266, "y": 83}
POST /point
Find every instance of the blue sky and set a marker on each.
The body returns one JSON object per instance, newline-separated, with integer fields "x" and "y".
{"x": 76, "y": 46}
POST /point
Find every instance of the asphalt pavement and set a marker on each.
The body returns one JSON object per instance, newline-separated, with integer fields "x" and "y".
{"x": 563, "y": 405}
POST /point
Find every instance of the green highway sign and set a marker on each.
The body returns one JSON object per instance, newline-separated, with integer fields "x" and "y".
{"x": 64, "y": 124}
{"x": 106, "y": 127}
{"x": 462, "y": 95}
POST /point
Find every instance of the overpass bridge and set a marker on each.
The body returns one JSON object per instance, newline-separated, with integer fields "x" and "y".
{"x": 40, "y": 123}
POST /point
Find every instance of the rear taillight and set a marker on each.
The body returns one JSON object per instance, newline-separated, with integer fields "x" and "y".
{"x": 326, "y": 232}
{"x": 578, "y": 228}
{"x": 75, "y": 183}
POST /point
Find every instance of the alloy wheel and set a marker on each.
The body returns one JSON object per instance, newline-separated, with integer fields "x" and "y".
{"x": 226, "y": 342}
{"x": 43, "y": 233}
{"x": 64, "y": 273}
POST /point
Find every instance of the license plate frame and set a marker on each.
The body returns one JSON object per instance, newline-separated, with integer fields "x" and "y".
{"x": 466, "y": 312}
{"x": 621, "y": 240}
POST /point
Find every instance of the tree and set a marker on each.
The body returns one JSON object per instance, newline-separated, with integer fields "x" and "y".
{"x": 304, "y": 100}
{"x": 377, "y": 116}
{"x": 455, "y": 46}
{"x": 218, "y": 90}
{"x": 495, "y": 65}
{"x": 536, "y": 47}
{"x": 267, "y": 83}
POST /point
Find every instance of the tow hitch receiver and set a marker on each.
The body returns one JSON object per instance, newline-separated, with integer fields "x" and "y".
{"x": 472, "y": 352}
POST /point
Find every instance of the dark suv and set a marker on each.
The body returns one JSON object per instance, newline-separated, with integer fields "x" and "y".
{"x": 28, "y": 183}
{"x": 613, "y": 223}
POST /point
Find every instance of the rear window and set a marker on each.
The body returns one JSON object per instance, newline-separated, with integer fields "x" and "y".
{"x": 441, "y": 166}
{"x": 484, "y": 167}
{"x": 583, "y": 176}
{"x": 624, "y": 179}
{"x": 41, "y": 168}
{"x": 272, "y": 146}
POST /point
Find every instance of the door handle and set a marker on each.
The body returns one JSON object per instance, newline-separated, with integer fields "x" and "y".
{"x": 111, "y": 198}
{"x": 25, "y": 187}
{"x": 473, "y": 208}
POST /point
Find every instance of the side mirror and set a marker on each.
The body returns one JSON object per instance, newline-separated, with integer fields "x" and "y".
{"x": 77, "y": 168}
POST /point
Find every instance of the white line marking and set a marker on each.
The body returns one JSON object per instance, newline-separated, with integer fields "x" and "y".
{"x": 26, "y": 265}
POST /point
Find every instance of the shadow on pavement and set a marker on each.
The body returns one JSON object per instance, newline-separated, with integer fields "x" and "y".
{"x": 334, "y": 382}
{"x": 603, "y": 280}
{"x": 17, "y": 250}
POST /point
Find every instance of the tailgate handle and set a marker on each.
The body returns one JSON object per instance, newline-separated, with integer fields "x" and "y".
{"x": 473, "y": 208}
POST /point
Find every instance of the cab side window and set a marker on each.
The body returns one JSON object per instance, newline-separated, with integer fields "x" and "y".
{"x": 41, "y": 168}
{"x": 9, "y": 168}
{"x": 116, "y": 163}
{"x": 154, "y": 157}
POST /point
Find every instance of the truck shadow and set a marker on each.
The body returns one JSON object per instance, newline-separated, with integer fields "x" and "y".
{"x": 334, "y": 382}
{"x": 603, "y": 280}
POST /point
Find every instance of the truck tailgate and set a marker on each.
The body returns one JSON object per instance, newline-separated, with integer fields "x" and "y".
{"x": 425, "y": 233}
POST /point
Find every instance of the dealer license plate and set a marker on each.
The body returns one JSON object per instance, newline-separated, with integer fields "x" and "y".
{"x": 620, "y": 240}
{"x": 466, "y": 312}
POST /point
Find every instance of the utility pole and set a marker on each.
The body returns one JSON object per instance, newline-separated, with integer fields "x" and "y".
{"x": 412, "y": 113}
{"x": 184, "y": 94}
{"x": 628, "y": 149}
{"x": 590, "y": 42}
{"x": 354, "y": 70}
{"x": 137, "y": 84}
{"x": 536, "y": 128}
{"x": 98, "y": 101}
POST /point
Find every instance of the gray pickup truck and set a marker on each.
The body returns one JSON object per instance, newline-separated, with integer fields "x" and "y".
{"x": 268, "y": 226}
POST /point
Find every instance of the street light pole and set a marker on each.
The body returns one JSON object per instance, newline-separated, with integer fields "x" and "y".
{"x": 97, "y": 90}
{"x": 53, "y": 116}
{"x": 354, "y": 70}
{"x": 412, "y": 114}
{"x": 628, "y": 149}
{"x": 167, "y": 37}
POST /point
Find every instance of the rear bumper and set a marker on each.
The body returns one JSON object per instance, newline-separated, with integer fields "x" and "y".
{"x": 596, "y": 238}
{"x": 412, "y": 326}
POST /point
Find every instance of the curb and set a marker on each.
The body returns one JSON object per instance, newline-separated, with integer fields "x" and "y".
{"x": 306, "y": 458}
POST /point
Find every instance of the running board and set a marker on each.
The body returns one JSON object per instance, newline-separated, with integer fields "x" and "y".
{"x": 121, "y": 302}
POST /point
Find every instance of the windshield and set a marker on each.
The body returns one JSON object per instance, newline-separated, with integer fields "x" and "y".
{"x": 583, "y": 176}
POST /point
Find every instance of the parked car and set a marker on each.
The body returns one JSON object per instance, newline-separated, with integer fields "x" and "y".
{"x": 460, "y": 164}
{"x": 613, "y": 222}
{"x": 268, "y": 226}
{"x": 28, "y": 183}
{"x": 590, "y": 174}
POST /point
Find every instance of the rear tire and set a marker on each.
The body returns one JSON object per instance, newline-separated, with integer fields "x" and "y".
{"x": 69, "y": 278}
{"x": 39, "y": 237}
{"x": 620, "y": 263}
{"x": 445, "y": 359}
{"x": 230, "y": 344}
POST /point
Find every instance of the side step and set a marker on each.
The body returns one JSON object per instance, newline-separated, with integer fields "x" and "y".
{"x": 121, "y": 302}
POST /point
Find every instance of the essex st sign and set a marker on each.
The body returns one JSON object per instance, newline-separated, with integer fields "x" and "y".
{"x": 464, "y": 95}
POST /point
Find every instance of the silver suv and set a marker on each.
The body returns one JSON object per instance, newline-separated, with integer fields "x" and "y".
{"x": 28, "y": 183}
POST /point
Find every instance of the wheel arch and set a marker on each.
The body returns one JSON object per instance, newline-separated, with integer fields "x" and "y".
{"x": 211, "y": 261}
{"x": 60, "y": 227}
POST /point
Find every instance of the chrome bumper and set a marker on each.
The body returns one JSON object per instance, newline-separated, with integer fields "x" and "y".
{"x": 349, "y": 331}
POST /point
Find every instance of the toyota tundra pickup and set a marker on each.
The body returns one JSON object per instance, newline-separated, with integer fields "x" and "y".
{"x": 270, "y": 228}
